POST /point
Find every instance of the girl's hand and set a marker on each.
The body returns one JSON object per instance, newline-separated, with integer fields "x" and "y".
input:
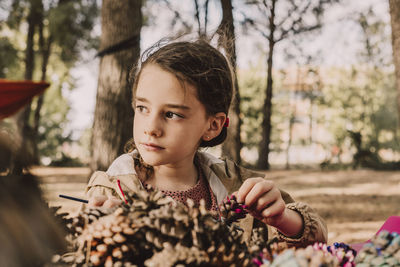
{"x": 104, "y": 202}
{"x": 265, "y": 202}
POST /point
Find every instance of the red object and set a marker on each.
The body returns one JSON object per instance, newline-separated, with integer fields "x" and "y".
{"x": 120, "y": 188}
{"x": 392, "y": 224}
{"x": 16, "y": 94}
{"x": 226, "y": 124}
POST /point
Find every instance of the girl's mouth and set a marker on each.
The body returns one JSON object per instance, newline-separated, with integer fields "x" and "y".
{"x": 151, "y": 147}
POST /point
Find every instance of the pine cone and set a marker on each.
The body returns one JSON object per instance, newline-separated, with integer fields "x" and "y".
{"x": 86, "y": 217}
{"x": 114, "y": 239}
{"x": 382, "y": 250}
{"x": 232, "y": 210}
{"x": 152, "y": 226}
{"x": 174, "y": 256}
{"x": 264, "y": 251}
{"x": 304, "y": 257}
{"x": 343, "y": 252}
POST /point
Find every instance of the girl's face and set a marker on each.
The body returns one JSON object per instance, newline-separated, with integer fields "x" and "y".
{"x": 169, "y": 119}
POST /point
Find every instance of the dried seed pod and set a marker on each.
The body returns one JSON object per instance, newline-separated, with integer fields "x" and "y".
{"x": 382, "y": 250}
{"x": 304, "y": 257}
{"x": 232, "y": 210}
{"x": 153, "y": 225}
{"x": 176, "y": 255}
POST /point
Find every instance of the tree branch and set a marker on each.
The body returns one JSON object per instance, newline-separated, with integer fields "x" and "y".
{"x": 197, "y": 15}
{"x": 256, "y": 27}
{"x": 298, "y": 21}
{"x": 206, "y": 16}
{"x": 301, "y": 30}
{"x": 177, "y": 16}
{"x": 289, "y": 14}
{"x": 266, "y": 5}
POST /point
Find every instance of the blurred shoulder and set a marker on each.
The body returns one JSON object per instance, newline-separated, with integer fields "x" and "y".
{"x": 123, "y": 165}
{"x": 225, "y": 167}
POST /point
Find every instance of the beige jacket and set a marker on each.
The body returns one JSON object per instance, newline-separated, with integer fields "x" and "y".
{"x": 224, "y": 177}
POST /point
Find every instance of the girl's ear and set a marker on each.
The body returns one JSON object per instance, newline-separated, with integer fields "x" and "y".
{"x": 216, "y": 123}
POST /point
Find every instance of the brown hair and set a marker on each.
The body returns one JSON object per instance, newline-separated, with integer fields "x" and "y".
{"x": 199, "y": 64}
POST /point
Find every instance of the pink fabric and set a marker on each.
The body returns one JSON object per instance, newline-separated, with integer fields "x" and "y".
{"x": 201, "y": 190}
{"x": 16, "y": 94}
{"x": 392, "y": 224}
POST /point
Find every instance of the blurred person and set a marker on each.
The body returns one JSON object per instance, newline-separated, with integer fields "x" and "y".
{"x": 29, "y": 233}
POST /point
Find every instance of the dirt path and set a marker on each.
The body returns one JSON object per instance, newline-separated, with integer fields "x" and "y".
{"x": 353, "y": 203}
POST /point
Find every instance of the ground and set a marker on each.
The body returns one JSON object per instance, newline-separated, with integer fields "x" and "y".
{"x": 353, "y": 203}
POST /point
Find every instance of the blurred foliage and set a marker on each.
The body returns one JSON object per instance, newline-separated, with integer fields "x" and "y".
{"x": 69, "y": 23}
{"x": 352, "y": 102}
{"x": 252, "y": 84}
{"x": 67, "y": 32}
{"x": 356, "y": 105}
{"x": 360, "y": 105}
{"x": 363, "y": 101}
{"x": 8, "y": 55}
{"x": 52, "y": 128}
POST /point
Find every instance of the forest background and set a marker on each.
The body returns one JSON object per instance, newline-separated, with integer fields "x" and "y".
{"x": 316, "y": 108}
{"x": 316, "y": 79}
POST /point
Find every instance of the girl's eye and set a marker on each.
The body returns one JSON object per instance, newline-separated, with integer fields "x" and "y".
{"x": 172, "y": 115}
{"x": 141, "y": 108}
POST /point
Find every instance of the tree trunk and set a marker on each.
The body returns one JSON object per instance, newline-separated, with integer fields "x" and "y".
{"x": 45, "y": 49}
{"x": 113, "y": 118}
{"x": 290, "y": 138}
{"x": 310, "y": 128}
{"x": 25, "y": 152}
{"x": 232, "y": 145}
{"x": 263, "y": 152}
{"x": 395, "y": 23}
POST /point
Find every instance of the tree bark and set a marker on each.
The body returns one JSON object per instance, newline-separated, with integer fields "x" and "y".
{"x": 263, "y": 152}
{"x": 45, "y": 49}
{"x": 113, "y": 118}
{"x": 232, "y": 145}
{"x": 395, "y": 23}
{"x": 25, "y": 152}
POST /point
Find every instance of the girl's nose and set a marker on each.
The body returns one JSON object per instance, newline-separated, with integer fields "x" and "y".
{"x": 153, "y": 127}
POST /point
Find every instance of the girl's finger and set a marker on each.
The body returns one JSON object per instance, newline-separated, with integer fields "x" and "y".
{"x": 266, "y": 200}
{"x": 112, "y": 202}
{"x": 97, "y": 201}
{"x": 275, "y": 209}
{"x": 245, "y": 188}
{"x": 257, "y": 191}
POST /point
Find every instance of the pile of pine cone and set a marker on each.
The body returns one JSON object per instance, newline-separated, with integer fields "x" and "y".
{"x": 152, "y": 230}
{"x": 315, "y": 255}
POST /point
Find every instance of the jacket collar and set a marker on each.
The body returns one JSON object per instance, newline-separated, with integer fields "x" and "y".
{"x": 208, "y": 164}
{"x": 214, "y": 169}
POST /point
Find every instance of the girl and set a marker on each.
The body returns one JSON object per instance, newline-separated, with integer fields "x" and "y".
{"x": 181, "y": 95}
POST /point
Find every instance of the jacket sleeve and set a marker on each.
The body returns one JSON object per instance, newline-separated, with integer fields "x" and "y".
{"x": 104, "y": 184}
{"x": 100, "y": 185}
{"x": 314, "y": 227}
